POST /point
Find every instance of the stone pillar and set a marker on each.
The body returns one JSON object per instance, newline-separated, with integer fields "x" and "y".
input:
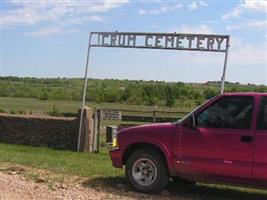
{"x": 86, "y": 140}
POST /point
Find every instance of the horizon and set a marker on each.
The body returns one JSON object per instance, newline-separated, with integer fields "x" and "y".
{"x": 82, "y": 78}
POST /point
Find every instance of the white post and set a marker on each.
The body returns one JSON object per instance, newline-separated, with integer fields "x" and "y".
{"x": 84, "y": 93}
{"x": 224, "y": 67}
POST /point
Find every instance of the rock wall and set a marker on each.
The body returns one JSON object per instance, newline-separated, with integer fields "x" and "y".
{"x": 52, "y": 132}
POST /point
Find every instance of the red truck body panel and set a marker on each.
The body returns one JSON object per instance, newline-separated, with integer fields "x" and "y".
{"x": 201, "y": 153}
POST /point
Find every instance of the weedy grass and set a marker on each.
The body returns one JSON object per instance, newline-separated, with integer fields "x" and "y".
{"x": 59, "y": 161}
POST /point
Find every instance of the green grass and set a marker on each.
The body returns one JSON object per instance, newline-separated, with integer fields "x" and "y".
{"x": 97, "y": 171}
{"x": 29, "y": 104}
{"x": 66, "y": 162}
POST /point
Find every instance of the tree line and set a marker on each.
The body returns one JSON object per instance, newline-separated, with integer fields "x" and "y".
{"x": 119, "y": 91}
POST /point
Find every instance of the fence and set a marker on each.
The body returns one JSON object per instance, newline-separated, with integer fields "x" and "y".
{"x": 144, "y": 116}
{"x": 126, "y": 115}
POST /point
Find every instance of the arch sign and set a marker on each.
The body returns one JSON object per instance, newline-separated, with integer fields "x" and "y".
{"x": 163, "y": 41}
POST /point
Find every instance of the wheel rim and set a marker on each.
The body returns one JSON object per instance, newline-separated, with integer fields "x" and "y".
{"x": 144, "y": 171}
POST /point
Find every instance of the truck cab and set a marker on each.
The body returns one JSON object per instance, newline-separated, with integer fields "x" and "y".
{"x": 222, "y": 141}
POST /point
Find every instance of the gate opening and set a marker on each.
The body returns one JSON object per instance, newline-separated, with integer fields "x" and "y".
{"x": 162, "y": 41}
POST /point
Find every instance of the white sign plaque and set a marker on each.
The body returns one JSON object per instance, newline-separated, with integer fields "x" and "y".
{"x": 110, "y": 115}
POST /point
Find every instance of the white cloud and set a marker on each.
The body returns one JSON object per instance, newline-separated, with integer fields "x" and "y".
{"x": 243, "y": 53}
{"x": 234, "y": 14}
{"x": 247, "y": 5}
{"x": 252, "y": 25}
{"x": 161, "y": 9}
{"x": 80, "y": 20}
{"x": 202, "y": 3}
{"x": 201, "y": 29}
{"x": 259, "y": 24}
{"x": 51, "y": 30}
{"x": 257, "y": 5}
{"x": 240, "y": 53}
{"x": 142, "y": 12}
{"x": 33, "y": 12}
{"x": 210, "y": 21}
{"x": 192, "y": 6}
{"x": 196, "y": 4}
{"x": 233, "y": 27}
{"x": 246, "y": 63}
{"x": 45, "y": 31}
{"x": 151, "y": 1}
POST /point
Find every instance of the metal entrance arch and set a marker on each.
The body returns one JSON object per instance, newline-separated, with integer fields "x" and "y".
{"x": 163, "y": 41}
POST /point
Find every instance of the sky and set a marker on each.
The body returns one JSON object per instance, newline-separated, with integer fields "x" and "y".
{"x": 45, "y": 38}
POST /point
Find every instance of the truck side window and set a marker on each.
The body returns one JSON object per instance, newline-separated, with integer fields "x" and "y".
{"x": 233, "y": 112}
{"x": 262, "y": 116}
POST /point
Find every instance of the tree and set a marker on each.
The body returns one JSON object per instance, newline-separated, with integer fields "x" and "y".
{"x": 170, "y": 98}
{"x": 209, "y": 93}
{"x": 44, "y": 95}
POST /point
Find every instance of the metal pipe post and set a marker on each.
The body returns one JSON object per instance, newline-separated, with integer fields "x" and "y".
{"x": 224, "y": 67}
{"x": 84, "y": 93}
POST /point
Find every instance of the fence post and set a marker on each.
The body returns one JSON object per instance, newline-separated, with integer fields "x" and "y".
{"x": 154, "y": 116}
{"x": 156, "y": 109}
{"x": 98, "y": 129}
{"x": 96, "y": 132}
{"x": 87, "y": 130}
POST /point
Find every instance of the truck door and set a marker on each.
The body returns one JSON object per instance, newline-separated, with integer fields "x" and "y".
{"x": 221, "y": 142}
{"x": 260, "y": 151}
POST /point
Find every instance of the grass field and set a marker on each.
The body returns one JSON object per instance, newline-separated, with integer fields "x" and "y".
{"x": 28, "y": 104}
{"x": 99, "y": 172}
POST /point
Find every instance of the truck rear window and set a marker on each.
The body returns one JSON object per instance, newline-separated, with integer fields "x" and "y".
{"x": 262, "y": 116}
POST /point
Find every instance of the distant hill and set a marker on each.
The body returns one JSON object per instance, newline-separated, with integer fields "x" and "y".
{"x": 121, "y": 91}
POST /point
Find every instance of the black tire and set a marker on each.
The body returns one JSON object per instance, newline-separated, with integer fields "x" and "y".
{"x": 161, "y": 178}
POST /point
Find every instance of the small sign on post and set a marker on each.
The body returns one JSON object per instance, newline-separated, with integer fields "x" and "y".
{"x": 106, "y": 114}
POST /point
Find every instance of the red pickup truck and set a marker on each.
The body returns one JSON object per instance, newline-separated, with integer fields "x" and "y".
{"x": 223, "y": 141}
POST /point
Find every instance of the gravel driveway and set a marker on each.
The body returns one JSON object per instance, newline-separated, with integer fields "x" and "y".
{"x": 15, "y": 186}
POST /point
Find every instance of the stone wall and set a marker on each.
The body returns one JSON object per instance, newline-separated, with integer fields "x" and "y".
{"x": 53, "y": 132}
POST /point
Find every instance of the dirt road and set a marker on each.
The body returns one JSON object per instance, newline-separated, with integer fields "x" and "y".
{"x": 15, "y": 186}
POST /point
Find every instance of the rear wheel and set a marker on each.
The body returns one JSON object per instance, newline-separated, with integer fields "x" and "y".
{"x": 147, "y": 171}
